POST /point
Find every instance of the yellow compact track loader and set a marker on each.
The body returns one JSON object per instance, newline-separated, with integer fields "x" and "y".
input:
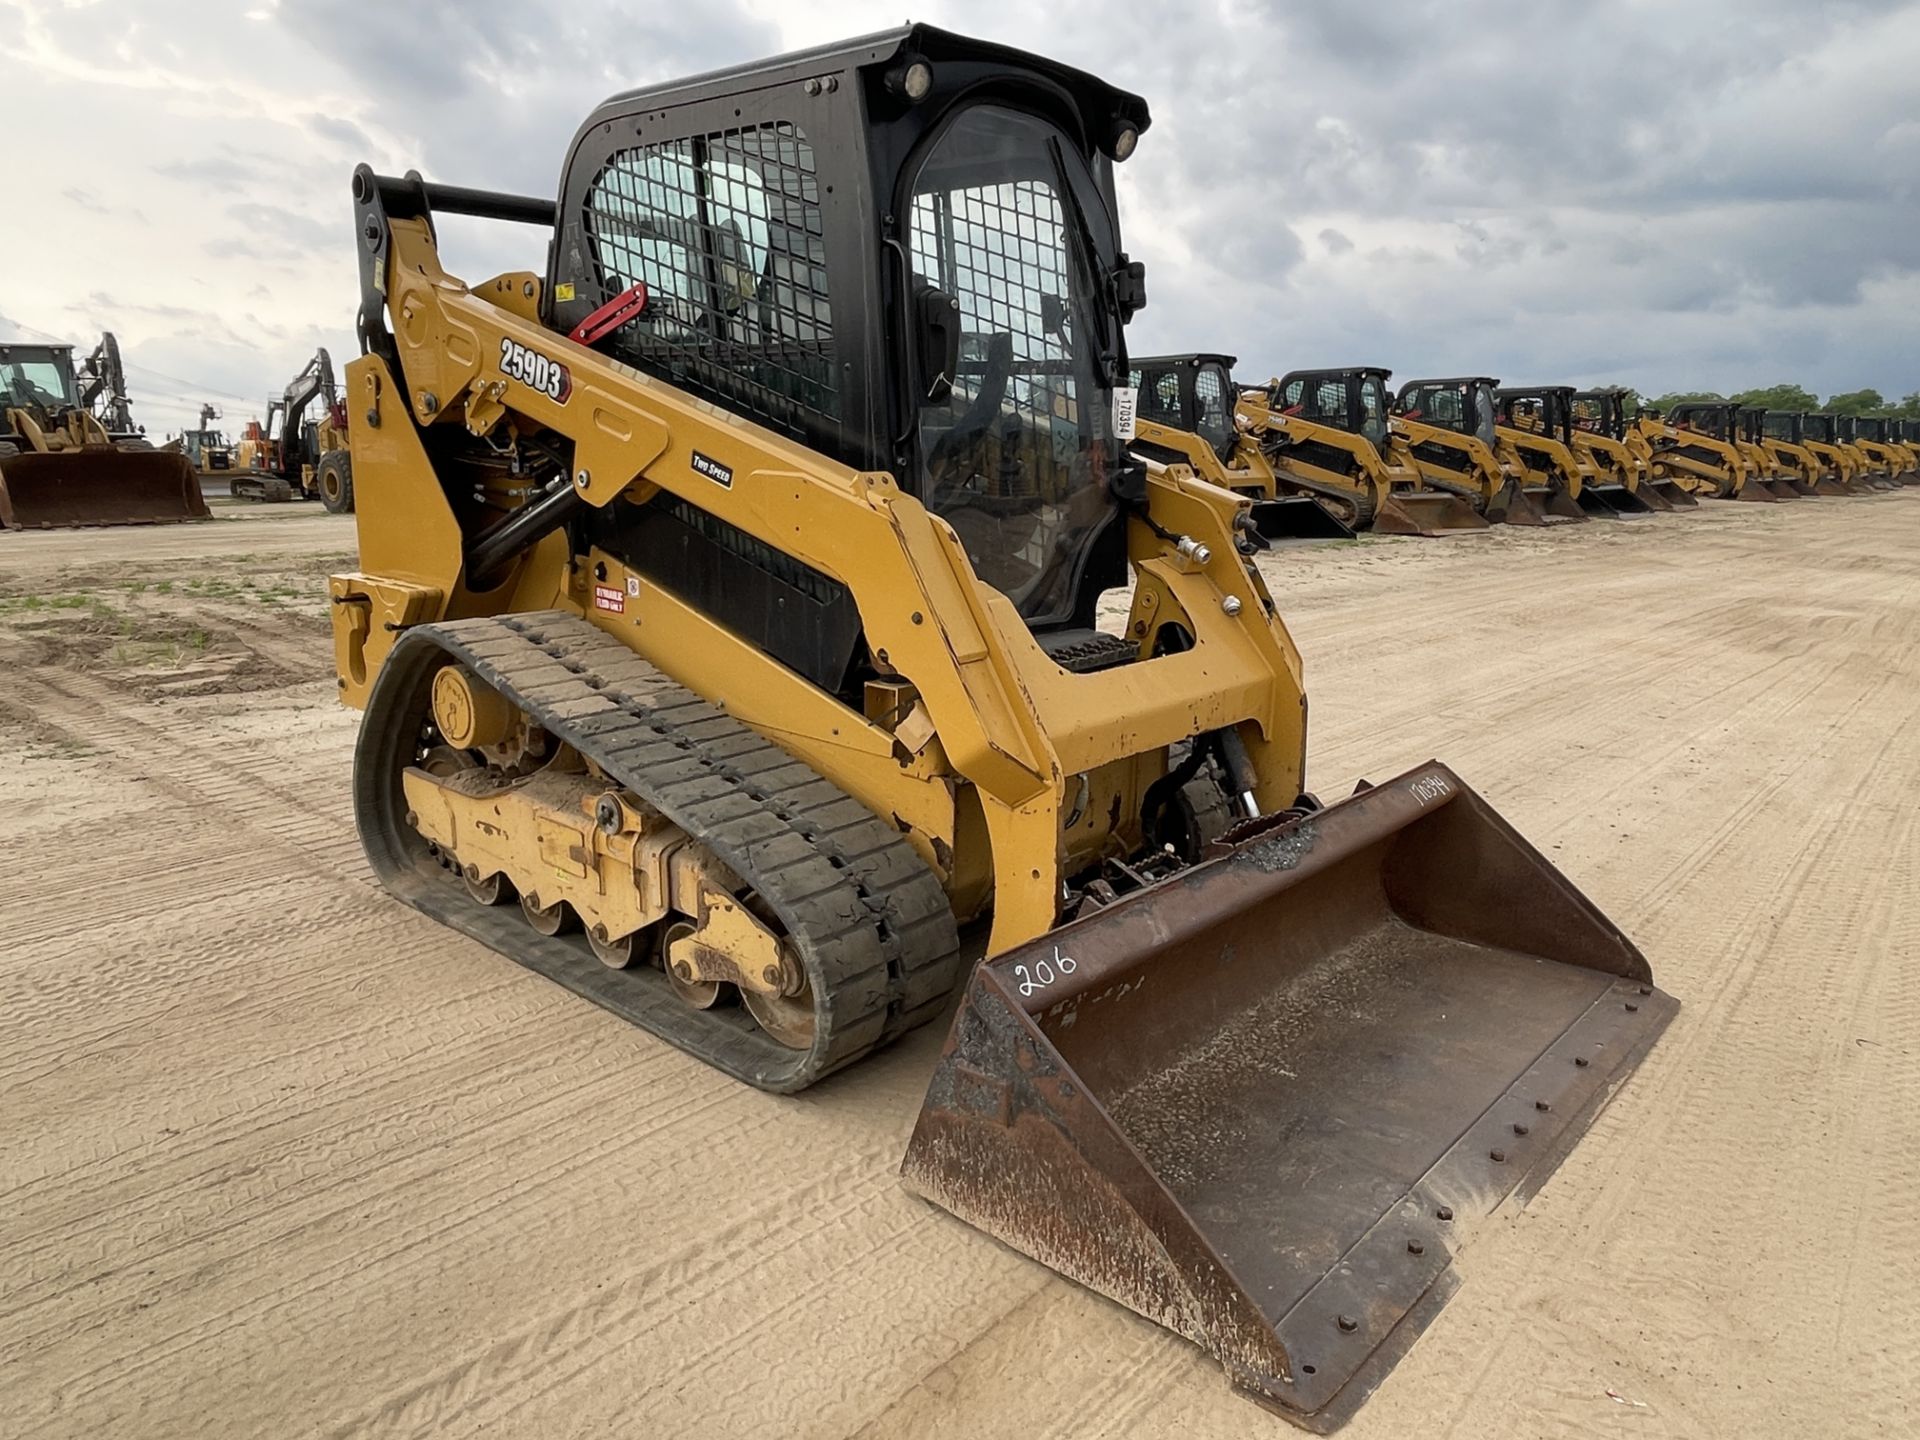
{"x": 1450, "y": 434}
{"x": 1783, "y": 435}
{"x": 1871, "y": 435}
{"x": 725, "y": 629}
{"x": 1329, "y": 433}
{"x": 1617, "y": 448}
{"x": 1789, "y": 464}
{"x": 1875, "y": 469}
{"x": 1819, "y": 435}
{"x": 1553, "y": 475}
{"x": 1185, "y": 415}
{"x": 1698, "y": 439}
{"x": 1610, "y": 484}
{"x": 60, "y": 464}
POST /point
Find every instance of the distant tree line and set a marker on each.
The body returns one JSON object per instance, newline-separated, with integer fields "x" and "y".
{"x": 1789, "y": 397}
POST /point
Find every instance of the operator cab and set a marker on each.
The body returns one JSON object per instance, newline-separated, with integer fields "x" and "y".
{"x": 37, "y": 377}
{"x": 1542, "y": 410}
{"x": 1784, "y": 425}
{"x": 1602, "y": 412}
{"x": 1463, "y": 404}
{"x": 901, "y": 251}
{"x": 1712, "y": 418}
{"x": 1354, "y": 400}
{"x": 1194, "y": 393}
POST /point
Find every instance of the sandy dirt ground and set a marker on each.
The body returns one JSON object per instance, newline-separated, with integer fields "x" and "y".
{"x": 279, "y": 1157}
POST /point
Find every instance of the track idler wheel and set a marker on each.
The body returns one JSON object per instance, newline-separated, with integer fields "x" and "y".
{"x": 551, "y": 919}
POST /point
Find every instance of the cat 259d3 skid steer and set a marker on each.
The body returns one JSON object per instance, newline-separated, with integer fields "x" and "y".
{"x": 725, "y": 631}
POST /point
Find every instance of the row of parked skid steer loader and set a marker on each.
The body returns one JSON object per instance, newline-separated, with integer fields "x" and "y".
{"x": 1331, "y": 452}
{"x": 724, "y": 628}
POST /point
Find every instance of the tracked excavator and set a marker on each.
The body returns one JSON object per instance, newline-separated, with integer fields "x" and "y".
{"x": 1329, "y": 434}
{"x": 1450, "y": 434}
{"x": 1185, "y": 415}
{"x": 725, "y": 629}
{"x": 60, "y": 463}
{"x": 1698, "y": 440}
{"x": 300, "y": 450}
{"x": 1600, "y": 423}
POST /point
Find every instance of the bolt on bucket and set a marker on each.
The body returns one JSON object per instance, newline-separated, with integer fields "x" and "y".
{"x": 1673, "y": 492}
{"x": 1265, "y": 1102}
{"x": 1428, "y": 512}
{"x": 1298, "y": 517}
{"x": 75, "y": 488}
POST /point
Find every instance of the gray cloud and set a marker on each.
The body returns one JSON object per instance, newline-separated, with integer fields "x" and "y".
{"x": 1704, "y": 196}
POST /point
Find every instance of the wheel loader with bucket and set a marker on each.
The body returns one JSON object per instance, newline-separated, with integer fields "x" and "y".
{"x": 1449, "y": 430}
{"x": 1185, "y": 415}
{"x": 60, "y": 466}
{"x": 1600, "y": 423}
{"x": 1329, "y": 433}
{"x": 724, "y": 629}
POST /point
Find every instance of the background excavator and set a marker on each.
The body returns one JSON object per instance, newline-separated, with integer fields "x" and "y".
{"x": 70, "y": 454}
{"x": 1451, "y": 435}
{"x": 209, "y": 450}
{"x": 739, "y": 669}
{"x": 1186, "y": 415}
{"x": 1329, "y": 434}
{"x": 300, "y": 449}
{"x": 1600, "y": 423}
{"x": 1614, "y": 480}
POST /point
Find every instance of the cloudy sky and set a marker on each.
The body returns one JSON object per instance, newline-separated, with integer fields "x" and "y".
{"x": 1707, "y": 195}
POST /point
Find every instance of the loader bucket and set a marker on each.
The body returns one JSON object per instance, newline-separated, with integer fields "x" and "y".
{"x": 1511, "y": 505}
{"x": 1298, "y": 517}
{"x": 1782, "y": 488}
{"x": 1613, "y": 500}
{"x": 1674, "y": 493}
{"x": 72, "y": 488}
{"x": 1425, "y": 513}
{"x": 1265, "y": 1102}
{"x": 1751, "y": 490}
{"x": 1556, "y": 504}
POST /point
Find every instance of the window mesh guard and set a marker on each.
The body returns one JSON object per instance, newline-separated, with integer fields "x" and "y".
{"x": 998, "y": 251}
{"x": 725, "y": 232}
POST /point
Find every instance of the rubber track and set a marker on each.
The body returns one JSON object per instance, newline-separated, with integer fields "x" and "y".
{"x": 868, "y": 918}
